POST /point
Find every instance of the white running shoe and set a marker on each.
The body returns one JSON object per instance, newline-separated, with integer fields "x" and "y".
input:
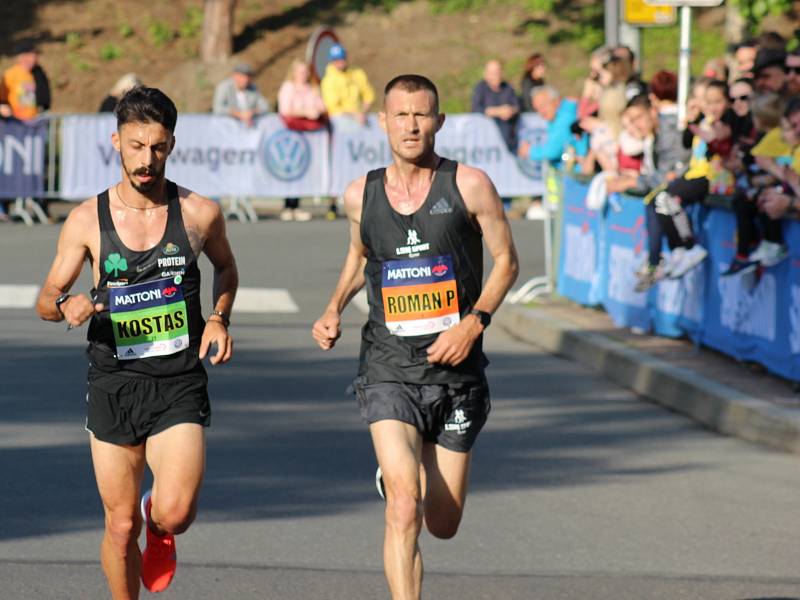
{"x": 773, "y": 254}
{"x": 758, "y": 254}
{"x": 674, "y": 258}
{"x": 287, "y": 214}
{"x": 379, "y": 484}
{"x": 688, "y": 261}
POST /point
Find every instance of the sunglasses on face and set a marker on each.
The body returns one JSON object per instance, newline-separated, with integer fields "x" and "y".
{"x": 745, "y": 98}
{"x": 794, "y": 70}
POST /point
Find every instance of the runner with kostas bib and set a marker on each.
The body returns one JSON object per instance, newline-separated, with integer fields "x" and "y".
{"x": 416, "y": 241}
{"x": 147, "y": 399}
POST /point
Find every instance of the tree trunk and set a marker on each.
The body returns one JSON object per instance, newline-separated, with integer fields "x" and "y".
{"x": 735, "y": 25}
{"x": 217, "y": 43}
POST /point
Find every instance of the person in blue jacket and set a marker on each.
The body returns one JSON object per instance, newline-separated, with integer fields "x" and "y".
{"x": 560, "y": 113}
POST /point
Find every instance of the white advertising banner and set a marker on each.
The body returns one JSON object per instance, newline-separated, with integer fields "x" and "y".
{"x": 472, "y": 139}
{"x": 218, "y": 156}
{"x": 214, "y": 156}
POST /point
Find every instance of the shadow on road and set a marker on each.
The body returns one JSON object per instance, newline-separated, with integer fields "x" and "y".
{"x": 286, "y": 440}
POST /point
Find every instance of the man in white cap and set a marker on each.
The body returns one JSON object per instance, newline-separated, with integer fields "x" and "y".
{"x": 238, "y": 96}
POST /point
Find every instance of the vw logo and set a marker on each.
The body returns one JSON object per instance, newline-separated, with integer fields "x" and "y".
{"x": 286, "y": 155}
{"x": 532, "y": 170}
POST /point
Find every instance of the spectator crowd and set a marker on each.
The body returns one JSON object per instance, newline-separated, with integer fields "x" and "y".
{"x": 738, "y": 144}
{"x": 740, "y": 137}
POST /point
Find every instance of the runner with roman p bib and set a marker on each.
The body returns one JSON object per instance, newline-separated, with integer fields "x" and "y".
{"x": 416, "y": 241}
{"x": 147, "y": 398}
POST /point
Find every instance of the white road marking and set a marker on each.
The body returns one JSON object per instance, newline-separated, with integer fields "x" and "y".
{"x": 264, "y": 300}
{"x": 18, "y": 296}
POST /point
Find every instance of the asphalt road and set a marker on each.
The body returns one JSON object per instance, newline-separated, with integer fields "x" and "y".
{"x": 580, "y": 490}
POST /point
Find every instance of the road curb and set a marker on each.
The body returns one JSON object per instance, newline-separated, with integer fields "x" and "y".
{"x": 711, "y": 403}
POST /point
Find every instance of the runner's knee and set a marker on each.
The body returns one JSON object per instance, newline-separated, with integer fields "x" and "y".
{"x": 121, "y": 529}
{"x": 173, "y": 515}
{"x": 403, "y": 511}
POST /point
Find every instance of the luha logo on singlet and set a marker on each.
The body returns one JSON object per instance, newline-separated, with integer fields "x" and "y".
{"x": 149, "y": 319}
{"x": 420, "y": 296}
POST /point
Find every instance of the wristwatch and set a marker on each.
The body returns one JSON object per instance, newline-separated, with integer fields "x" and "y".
{"x": 60, "y": 300}
{"x": 484, "y": 317}
{"x": 224, "y": 318}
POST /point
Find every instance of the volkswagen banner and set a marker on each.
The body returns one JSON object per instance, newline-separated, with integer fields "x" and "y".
{"x": 214, "y": 156}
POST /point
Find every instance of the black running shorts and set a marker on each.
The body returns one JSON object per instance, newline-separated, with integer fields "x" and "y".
{"x": 127, "y": 409}
{"x": 449, "y": 415}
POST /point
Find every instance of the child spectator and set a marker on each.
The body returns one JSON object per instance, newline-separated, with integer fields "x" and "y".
{"x": 711, "y": 142}
{"x": 604, "y": 131}
{"x": 667, "y": 159}
{"x": 771, "y": 156}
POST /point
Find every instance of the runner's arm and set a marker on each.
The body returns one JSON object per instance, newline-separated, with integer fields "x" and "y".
{"x": 226, "y": 281}
{"x": 484, "y": 203}
{"x": 326, "y": 329}
{"x": 218, "y": 250}
{"x": 71, "y": 252}
{"x": 454, "y": 345}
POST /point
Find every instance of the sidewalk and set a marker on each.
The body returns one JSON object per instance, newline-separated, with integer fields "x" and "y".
{"x": 713, "y": 389}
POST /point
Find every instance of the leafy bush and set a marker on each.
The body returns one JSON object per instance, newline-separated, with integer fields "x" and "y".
{"x": 160, "y": 33}
{"x": 192, "y": 23}
{"x": 125, "y": 31}
{"x": 110, "y": 52}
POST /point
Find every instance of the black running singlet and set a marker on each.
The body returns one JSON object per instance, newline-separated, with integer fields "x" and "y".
{"x": 152, "y": 322}
{"x": 424, "y": 272}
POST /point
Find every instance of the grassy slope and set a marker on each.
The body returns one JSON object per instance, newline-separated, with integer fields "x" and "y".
{"x": 87, "y": 44}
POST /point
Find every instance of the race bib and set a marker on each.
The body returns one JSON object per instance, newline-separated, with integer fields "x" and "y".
{"x": 420, "y": 296}
{"x": 149, "y": 319}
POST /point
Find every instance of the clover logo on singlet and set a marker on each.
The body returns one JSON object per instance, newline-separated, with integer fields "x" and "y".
{"x": 286, "y": 155}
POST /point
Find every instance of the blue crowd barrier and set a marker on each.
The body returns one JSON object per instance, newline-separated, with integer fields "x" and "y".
{"x": 753, "y": 317}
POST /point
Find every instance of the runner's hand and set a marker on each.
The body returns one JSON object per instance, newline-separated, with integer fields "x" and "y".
{"x": 453, "y": 346}
{"x": 216, "y": 333}
{"x": 79, "y": 309}
{"x": 327, "y": 330}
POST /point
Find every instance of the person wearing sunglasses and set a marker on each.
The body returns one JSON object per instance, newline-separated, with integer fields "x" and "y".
{"x": 793, "y": 72}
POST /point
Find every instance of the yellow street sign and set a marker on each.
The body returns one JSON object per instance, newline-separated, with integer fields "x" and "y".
{"x": 642, "y": 14}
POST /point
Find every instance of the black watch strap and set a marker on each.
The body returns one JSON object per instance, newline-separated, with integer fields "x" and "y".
{"x": 484, "y": 317}
{"x": 60, "y": 300}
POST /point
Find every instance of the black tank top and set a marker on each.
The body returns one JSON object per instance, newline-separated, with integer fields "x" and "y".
{"x": 424, "y": 272}
{"x": 152, "y": 322}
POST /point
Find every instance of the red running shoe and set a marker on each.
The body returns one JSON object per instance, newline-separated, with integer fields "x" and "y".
{"x": 159, "y": 559}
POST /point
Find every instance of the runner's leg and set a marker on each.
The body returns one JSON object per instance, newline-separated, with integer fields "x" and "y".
{"x": 177, "y": 458}
{"x": 446, "y": 479}
{"x": 118, "y": 470}
{"x": 398, "y": 447}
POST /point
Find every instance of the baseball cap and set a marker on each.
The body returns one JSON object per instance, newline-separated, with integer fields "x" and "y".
{"x": 243, "y": 68}
{"x": 337, "y": 52}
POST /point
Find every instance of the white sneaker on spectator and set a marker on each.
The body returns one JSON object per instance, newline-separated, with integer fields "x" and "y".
{"x": 772, "y": 254}
{"x": 674, "y": 258}
{"x": 688, "y": 261}
{"x": 301, "y": 215}
{"x": 535, "y": 212}
{"x": 757, "y": 254}
{"x": 287, "y": 214}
